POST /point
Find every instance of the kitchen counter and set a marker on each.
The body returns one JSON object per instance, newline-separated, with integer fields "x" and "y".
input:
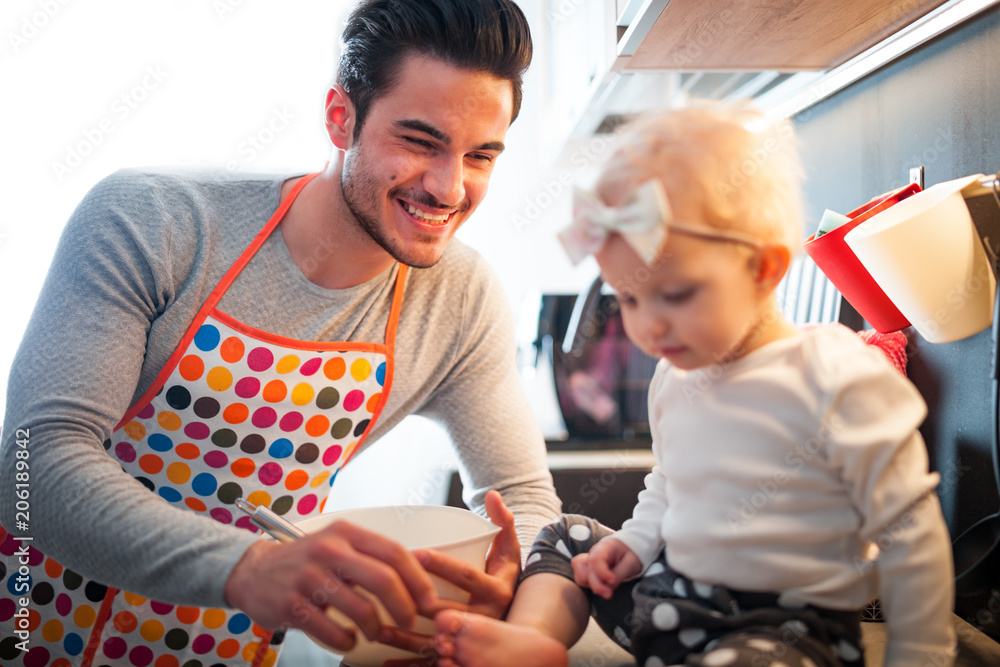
{"x": 580, "y": 444}
{"x": 599, "y": 483}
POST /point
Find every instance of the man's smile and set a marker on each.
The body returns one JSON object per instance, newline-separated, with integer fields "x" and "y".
{"x": 426, "y": 217}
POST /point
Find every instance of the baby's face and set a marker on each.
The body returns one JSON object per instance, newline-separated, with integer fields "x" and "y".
{"x": 694, "y": 307}
{"x": 701, "y": 303}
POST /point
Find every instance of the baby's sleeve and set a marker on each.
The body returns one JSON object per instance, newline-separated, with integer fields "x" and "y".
{"x": 916, "y": 587}
{"x": 642, "y": 533}
{"x": 873, "y": 415}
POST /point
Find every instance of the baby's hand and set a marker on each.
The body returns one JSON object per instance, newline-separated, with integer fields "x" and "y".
{"x": 607, "y": 565}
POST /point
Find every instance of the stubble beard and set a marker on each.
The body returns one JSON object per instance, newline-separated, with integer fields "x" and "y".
{"x": 360, "y": 190}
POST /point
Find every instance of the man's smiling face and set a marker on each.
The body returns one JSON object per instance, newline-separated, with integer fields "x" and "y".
{"x": 423, "y": 160}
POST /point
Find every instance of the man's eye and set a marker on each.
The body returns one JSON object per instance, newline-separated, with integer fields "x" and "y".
{"x": 418, "y": 142}
{"x": 482, "y": 157}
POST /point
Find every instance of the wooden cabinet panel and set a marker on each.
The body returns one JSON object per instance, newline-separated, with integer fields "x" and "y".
{"x": 790, "y": 35}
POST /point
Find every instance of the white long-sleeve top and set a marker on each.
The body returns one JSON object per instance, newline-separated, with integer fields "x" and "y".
{"x": 779, "y": 471}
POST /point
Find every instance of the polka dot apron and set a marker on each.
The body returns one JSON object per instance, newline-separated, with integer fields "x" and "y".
{"x": 235, "y": 412}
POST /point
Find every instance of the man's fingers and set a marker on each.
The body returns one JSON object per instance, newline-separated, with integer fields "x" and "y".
{"x": 398, "y": 558}
{"x": 489, "y": 594}
{"x": 490, "y": 591}
{"x": 349, "y": 602}
{"x": 413, "y": 662}
{"x": 505, "y": 548}
{"x": 387, "y": 570}
{"x": 445, "y": 603}
{"x": 293, "y": 584}
{"x": 382, "y": 582}
{"x": 407, "y": 640}
{"x": 314, "y": 622}
{"x": 456, "y": 571}
{"x": 422, "y": 645}
{"x": 497, "y": 511}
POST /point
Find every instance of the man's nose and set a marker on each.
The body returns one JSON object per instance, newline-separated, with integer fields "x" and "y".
{"x": 445, "y": 181}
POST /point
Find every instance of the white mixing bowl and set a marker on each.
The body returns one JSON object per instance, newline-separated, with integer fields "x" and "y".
{"x": 457, "y": 532}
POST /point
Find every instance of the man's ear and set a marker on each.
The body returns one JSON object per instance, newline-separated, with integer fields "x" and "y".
{"x": 339, "y": 117}
{"x": 772, "y": 263}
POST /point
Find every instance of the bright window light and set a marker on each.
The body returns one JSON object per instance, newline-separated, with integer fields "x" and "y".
{"x": 93, "y": 87}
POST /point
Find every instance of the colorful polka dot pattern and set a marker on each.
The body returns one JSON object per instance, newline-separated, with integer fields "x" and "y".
{"x": 237, "y": 417}
{"x": 63, "y": 608}
{"x": 243, "y": 417}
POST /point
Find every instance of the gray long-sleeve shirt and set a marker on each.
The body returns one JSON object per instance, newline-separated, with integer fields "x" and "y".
{"x": 135, "y": 262}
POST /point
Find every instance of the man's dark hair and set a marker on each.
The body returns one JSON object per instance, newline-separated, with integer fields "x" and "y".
{"x": 478, "y": 35}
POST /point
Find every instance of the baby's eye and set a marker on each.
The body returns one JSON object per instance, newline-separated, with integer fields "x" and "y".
{"x": 625, "y": 300}
{"x": 679, "y": 296}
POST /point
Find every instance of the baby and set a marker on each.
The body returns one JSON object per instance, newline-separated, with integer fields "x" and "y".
{"x": 791, "y": 485}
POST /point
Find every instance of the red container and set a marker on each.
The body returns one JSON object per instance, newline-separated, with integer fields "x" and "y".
{"x": 836, "y": 260}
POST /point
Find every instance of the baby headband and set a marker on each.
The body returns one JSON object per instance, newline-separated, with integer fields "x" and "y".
{"x": 644, "y": 221}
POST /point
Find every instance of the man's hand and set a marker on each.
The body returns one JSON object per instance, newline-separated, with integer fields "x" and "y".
{"x": 491, "y": 591}
{"x": 282, "y": 585}
{"x": 605, "y": 566}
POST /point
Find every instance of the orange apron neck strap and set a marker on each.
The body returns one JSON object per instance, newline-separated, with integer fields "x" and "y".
{"x": 397, "y": 305}
{"x": 94, "y": 641}
{"x": 255, "y": 245}
{"x": 390, "y": 364}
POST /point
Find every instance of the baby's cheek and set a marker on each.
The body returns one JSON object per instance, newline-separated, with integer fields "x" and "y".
{"x": 632, "y": 328}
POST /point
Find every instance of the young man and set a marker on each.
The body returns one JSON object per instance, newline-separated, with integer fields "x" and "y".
{"x": 202, "y": 338}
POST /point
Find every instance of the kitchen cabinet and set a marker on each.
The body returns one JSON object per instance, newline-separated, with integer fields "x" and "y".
{"x": 787, "y": 35}
{"x": 784, "y": 55}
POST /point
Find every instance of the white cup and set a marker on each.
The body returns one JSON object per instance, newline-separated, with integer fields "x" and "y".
{"x": 925, "y": 254}
{"x": 454, "y": 531}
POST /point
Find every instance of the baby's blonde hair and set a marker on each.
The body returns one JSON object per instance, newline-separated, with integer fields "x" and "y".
{"x": 740, "y": 170}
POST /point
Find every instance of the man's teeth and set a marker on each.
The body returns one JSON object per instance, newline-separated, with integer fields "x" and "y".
{"x": 423, "y": 215}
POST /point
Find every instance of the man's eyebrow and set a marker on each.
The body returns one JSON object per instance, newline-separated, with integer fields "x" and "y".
{"x": 421, "y": 126}
{"x": 492, "y": 146}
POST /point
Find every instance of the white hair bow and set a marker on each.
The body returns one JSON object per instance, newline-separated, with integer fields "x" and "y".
{"x": 644, "y": 221}
{"x": 641, "y": 221}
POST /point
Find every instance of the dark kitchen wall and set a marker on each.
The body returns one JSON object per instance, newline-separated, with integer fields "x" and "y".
{"x": 939, "y": 107}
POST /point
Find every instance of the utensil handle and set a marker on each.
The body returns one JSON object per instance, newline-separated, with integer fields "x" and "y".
{"x": 275, "y": 526}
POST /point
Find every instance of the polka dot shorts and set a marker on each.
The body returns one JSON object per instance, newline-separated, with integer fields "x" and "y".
{"x": 664, "y": 618}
